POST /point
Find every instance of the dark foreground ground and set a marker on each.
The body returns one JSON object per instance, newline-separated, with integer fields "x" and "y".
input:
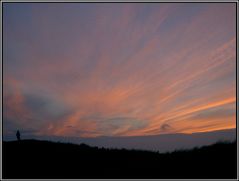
{"x": 42, "y": 159}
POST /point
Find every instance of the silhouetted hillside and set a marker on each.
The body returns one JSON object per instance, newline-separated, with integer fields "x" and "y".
{"x": 44, "y": 159}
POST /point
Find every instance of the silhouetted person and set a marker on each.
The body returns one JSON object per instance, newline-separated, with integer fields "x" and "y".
{"x": 18, "y": 135}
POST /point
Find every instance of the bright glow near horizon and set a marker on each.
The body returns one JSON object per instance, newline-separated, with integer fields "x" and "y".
{"x": 117, "y": 69}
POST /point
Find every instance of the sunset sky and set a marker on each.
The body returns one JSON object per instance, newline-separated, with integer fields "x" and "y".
{"x": 118, "y": 69}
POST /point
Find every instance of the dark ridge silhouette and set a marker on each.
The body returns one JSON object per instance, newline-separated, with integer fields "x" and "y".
{"x": 34, "y": 159}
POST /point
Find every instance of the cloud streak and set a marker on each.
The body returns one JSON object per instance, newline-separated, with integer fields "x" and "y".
{"x": 132, "y": 69}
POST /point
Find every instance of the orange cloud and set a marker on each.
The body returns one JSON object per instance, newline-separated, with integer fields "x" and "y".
{"x": 126, "y": 70}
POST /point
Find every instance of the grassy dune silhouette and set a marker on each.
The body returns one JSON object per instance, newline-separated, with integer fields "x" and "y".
{"x": 34, "y": 159}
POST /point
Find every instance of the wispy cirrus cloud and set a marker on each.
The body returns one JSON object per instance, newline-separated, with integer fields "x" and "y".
{"x": 131, "y": 69}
